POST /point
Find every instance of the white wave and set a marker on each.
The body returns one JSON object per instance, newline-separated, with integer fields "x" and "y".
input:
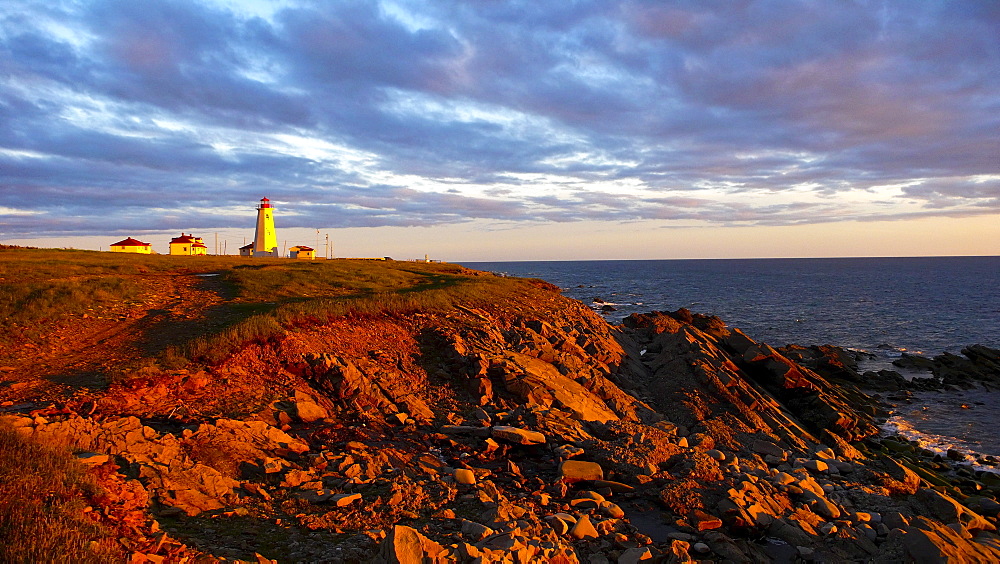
{"x": 938, "y": 444}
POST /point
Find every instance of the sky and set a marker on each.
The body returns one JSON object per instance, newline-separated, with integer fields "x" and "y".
{"x": 489, "y": 130}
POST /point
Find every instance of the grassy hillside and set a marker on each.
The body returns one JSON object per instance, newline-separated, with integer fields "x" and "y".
{"x": 43, "y": 289}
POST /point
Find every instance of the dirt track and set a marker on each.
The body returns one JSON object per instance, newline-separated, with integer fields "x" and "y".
{"x": 76, "y": 355}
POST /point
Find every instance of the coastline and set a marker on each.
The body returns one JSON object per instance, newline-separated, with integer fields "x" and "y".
{"x": 885, "y": 306}
{"x": 519, "y": 428}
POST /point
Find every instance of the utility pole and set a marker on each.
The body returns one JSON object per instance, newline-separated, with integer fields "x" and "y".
{"x": 328, "y": 255}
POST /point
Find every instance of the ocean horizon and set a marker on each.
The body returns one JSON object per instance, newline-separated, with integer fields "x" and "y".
{"x": 924, "y": 305}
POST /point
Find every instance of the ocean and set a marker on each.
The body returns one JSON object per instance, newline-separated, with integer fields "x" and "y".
{"x": 884, "y": 306}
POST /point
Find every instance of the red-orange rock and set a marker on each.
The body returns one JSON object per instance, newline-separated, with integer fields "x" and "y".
{"x": 705, "y": 522}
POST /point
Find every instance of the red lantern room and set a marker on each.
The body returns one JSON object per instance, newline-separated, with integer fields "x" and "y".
{"x": 264, "y": 203}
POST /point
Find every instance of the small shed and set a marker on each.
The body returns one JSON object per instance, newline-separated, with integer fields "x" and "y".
{"x": 301, "y": 252}
{"x": 246, "y": 250}
{"x": 131, "y": 245}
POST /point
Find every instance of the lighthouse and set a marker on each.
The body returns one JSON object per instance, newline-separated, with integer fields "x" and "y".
{"x": 265, "y": 241}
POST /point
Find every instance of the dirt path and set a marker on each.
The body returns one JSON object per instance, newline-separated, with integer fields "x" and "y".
{"x": 77, "y": 355}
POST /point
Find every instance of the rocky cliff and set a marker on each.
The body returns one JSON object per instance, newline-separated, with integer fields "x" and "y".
{"x": 520, "y": 431}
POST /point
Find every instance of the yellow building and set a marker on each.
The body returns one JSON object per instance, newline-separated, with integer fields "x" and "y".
{"x": 188, "y": 245}
{"x": 301, "y": 252}
{"x": 131, "y": 245}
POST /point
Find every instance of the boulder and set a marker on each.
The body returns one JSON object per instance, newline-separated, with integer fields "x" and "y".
{"x": 765, "y": 448}
{"x": 475, "y": 531}
{"x": 482, "y": 388}
{"x": 577, "y": 470}
{"x": 789, "y": 532}
{"x": 559, "y": 525}
{"x": 816, "y": 465}
{"x": 584, "y": 529}
{"x": 948, "y": 510}
{"x": 611, "y": 510}
{"x": 464, "y": 476}
{"x": 930, "y": 542}
{"x": 307, "y": 410}
{"x": 824, "y": 508}
{"x": 904, "y": 480}
{"x": 405, "y": 545}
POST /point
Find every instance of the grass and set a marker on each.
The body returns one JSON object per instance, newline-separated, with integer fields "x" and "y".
{"x": 42, "y": 493}
{"x": 51, "y": 284}
{"x": 54, "y": 299}
{"x": 264, "y": 296}
{"x": 351, "y": 288}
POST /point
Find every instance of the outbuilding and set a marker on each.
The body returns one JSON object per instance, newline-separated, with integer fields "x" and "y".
{"x": 301, "y": 252}
{"x": 131, "y": 245}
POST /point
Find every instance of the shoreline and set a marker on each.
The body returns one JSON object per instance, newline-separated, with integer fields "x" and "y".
{"x": 512, "y": 429}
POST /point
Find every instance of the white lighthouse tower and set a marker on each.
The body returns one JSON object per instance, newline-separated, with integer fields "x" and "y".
{"x": 265, "y": 240}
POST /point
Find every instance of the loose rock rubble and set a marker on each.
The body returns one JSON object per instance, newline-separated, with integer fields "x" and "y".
{"x": 529, "y": 434}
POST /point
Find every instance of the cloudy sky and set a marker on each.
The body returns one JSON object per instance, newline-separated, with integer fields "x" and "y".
{"x": 506, "y": 130}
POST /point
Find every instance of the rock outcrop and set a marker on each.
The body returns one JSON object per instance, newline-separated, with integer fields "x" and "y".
{"x": 979, "y": 364}
{"x": 537, "y": 433}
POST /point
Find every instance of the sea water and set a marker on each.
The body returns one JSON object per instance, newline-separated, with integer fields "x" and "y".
{"x": 884, "y": 306}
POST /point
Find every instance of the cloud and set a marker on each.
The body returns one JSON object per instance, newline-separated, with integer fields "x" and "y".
{"x": 424, "y": 113}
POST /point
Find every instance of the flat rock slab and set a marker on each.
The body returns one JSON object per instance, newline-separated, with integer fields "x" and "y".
{"x": 93, "y": 458}
{"x": 317, "y": 496}
{"x": 577, "y": 470}
{"x": 705, "y": 522}
{"x": 518, "y": 436}
{"x": 343, "y": 500}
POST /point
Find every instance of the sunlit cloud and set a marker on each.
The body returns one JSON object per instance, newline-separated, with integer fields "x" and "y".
{"x": 180, "y": 115}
